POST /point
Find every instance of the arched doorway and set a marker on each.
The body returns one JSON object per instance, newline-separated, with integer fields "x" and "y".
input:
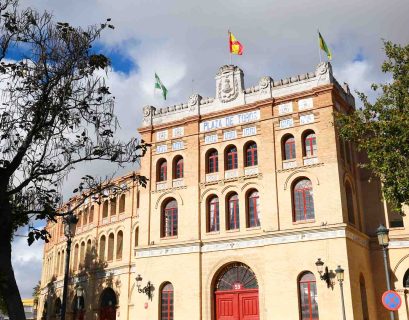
{"x": 107, "y": 305}
{"x": 78, "y": 308}
{"x": 236, "y": 293}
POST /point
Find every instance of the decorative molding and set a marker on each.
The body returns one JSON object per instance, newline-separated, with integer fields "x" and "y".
{"x": 394, "y": 244}
{"x": 290, "y": 177}
{"x": 258, "y": 241}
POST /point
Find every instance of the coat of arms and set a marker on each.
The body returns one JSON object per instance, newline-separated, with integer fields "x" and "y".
{"x": 228, "y": 88}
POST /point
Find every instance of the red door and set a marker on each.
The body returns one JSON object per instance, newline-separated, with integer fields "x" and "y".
{"x": 107, "y": 313}
{"x": 237, "y": 305}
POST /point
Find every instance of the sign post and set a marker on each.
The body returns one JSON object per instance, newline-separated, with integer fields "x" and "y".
{"x": 391, "y": 300}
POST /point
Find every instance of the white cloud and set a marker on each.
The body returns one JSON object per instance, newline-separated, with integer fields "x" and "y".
{"x": 27, "y": 262}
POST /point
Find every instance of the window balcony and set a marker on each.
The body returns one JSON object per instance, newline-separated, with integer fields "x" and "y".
{"x": 178, "y": 183}
{"x": 310, "y": 160}
{"x": 161, "y": 185}
{"x": 210, "y": 177}
{"x": 248, "y": 171}
{"x": 230, "y": 174}
{"x": 288, "y": 164}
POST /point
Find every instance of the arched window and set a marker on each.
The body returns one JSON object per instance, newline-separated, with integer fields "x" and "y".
{"x": 288, "y": 147}
{"x": 213, "y": 223}
{"x": 79, "y": 216}
{"x": 137, "y": 236}
{"x": 253, "y": 209}
{"x": 111, "y": 247}
{"x": 310, "y": 144}
{"x": 57, "y": 267}
{"x": 105, "y": 209}
{"x": 364, "y": 299}
{"x": 233, "y": 221}
{"x": 350, "y": 203}
{"x": 75, "y": 265}
{"x": 102, "y": 242}
{"x": 406, "y": 279}
{"x": 166, "y": 302}
{"x": 212, "y": 161}
{"x": 308, "y": 297}
{"x": 85, "y": 217}
{"x": 251, "y": 154}
{"x": 178, "y": 167}
{"x": 119, "y": 244}
{"x": 170, "y": 219}
{"x": 91, "y": 215}
{"x": 113, "y": 206}
{"x": 82, "y": 253}
{"x": 62, "y": 264}
{"x": 303, "y": 201}
{"x": 231, "y": 158}
{"x": 162, "y": 170}
{"x": 122, "y": 203}
{"x": 88, "y": 257}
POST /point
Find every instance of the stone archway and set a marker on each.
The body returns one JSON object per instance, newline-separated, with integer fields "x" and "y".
{"x": 236, "y": 294}
{"x": 107, "y": 304}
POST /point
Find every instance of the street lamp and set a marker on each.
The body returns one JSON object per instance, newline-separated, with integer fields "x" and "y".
{"x": 148, "y": 289}
{"x": 340, "y": 277}
{"x": 383, "y": 238}
{"x": 324, "y": 275}
{"x": 80, "y": 293}
{"x": 70, "y": 221}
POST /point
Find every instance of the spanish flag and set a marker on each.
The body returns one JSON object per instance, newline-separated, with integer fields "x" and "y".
{"x": 235, "y": 46}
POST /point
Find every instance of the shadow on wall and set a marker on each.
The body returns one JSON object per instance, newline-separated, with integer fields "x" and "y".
{"x": 93, "y": 280}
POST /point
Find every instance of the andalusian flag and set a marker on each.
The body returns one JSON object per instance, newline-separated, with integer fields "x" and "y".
{"x": 235, "y": 46}
{"x": 159, "y": 85}
{"x": 324, "y": 46}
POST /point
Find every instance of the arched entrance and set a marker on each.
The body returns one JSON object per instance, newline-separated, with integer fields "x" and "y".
{"x": 236, "y": 293}
{"x": 107, "y": 305}
{"x": 78, "y": 308}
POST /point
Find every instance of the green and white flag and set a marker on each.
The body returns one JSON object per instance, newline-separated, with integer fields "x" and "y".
{"x": 159, "y": 85}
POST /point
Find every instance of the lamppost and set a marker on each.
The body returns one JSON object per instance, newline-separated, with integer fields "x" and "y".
{"x": 325, "y": 275}
{"x": 148, "y": 289}
{"x": 80, "y": 301}
{"x": 340, "y": 277}
{"x": 382, "y": 232}
{"x": 70, "y": 222}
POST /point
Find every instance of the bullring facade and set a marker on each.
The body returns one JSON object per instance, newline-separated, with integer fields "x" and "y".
{"x": 246, "y": 191}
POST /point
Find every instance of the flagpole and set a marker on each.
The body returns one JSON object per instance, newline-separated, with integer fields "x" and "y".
{"x": 229, "y": 45}
{"x": 319, "y": 45}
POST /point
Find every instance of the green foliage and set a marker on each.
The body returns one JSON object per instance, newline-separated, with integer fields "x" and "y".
{"x": 381, "y": 129}
{"x": 3, "y": 307}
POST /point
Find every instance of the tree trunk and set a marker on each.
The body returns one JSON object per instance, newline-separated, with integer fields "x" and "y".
{"x": 8, "y": 284}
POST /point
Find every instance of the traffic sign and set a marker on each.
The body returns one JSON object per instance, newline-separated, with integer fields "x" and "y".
{"x": 391, "y": 300}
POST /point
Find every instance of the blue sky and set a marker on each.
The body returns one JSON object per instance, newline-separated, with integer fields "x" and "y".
{"x": 183, "y": 40}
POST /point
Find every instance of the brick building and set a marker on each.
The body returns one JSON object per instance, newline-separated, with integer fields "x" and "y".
{"x": 246, "y": 191}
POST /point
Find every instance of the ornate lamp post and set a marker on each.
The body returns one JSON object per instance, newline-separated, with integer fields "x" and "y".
{"x": 148, "y": 289}
{"x": 340, "y": 277}
{"x": 383, "y": 238}
{"x": 70, "y": 222}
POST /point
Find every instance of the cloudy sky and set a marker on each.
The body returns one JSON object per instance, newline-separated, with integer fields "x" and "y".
{"x": 185, "y": 42}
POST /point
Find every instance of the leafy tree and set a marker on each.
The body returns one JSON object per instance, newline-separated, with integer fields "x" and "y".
{"x": 56, "y": 112}
{"x": 381, "y": 129}
{"x": 3, "y": 307}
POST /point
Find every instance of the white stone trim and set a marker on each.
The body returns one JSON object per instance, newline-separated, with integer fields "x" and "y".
{"x": 260, "y": 241}
{"x": 393, "y": 244}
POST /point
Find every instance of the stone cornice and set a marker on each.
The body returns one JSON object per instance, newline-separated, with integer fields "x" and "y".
{"x": 266, "y": 239}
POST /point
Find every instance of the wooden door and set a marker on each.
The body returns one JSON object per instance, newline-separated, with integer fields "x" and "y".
{"x": 238, "y": 305}
{"x": 227, "y": 306}
{"x": 248, "y": 304}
